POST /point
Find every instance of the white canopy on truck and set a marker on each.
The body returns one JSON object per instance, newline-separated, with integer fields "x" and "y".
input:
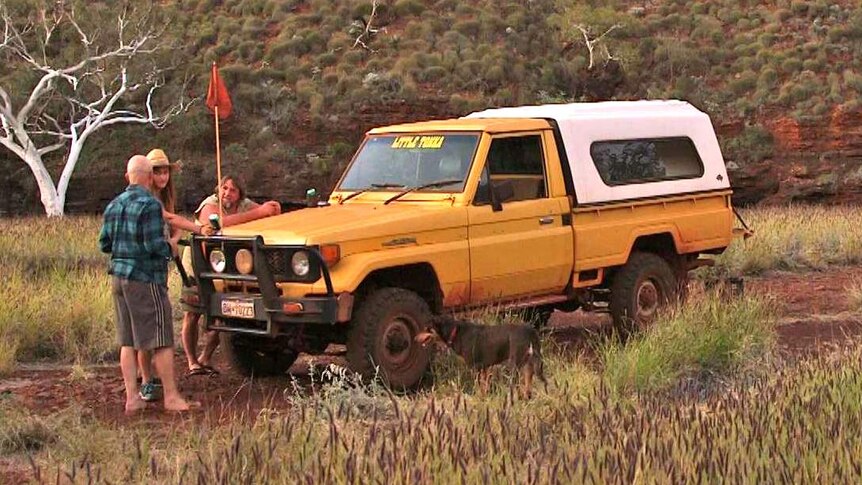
{"x": 583, "y": 124}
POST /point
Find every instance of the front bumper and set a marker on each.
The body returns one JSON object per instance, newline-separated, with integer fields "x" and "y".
{"x": 264, "y": 313}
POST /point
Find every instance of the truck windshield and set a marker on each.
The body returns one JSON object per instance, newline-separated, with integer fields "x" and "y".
{"x": 412, "y": 161}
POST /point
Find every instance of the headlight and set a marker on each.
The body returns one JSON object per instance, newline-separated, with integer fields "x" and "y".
{"x": 218, "y": 261}
{"x": 299, "y": 263}
{"x": 244, "y": 261}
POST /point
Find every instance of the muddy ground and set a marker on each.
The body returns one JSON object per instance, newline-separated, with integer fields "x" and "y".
{"x": 814, "y": 311}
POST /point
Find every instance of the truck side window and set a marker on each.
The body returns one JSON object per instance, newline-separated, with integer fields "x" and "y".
{"x": 650, "y": 160}
{"x": 519, "y": 162}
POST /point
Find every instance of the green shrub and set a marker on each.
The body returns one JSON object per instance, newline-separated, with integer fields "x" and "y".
{"x": 469, "y": 28}
{"x": 799, "y": 7}
{"x": 815, "y": 64}
{"x": 250, "y": 51}
{"x": 710, "y": 334}
{"x": 743, "y": 82}
{"x": 767, "y": 78}
{"x": 431, "y": 74}
{"x": 754, "y": 144}
{"x": 253, "y": 27}
{"x": 405, "y": 8}
{"x": 853, "y": 81}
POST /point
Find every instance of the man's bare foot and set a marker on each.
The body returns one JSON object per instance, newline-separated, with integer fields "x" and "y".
{"x": 134, "y": 406}
{"x": 179, "y": 405}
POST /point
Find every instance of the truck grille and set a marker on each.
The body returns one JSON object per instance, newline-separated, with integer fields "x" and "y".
{"x": 279, "y": 263}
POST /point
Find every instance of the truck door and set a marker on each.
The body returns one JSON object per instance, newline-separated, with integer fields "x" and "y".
{"x": 522, "y": 248}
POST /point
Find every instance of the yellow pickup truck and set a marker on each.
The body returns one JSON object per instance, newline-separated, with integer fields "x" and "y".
{"x": 599, "y": 206}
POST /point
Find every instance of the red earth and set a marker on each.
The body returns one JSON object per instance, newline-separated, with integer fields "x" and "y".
{"x": 814, "y": 316}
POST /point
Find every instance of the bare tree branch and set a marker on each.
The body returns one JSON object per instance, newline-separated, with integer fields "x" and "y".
{"x": 585, "y": 31}
{"x": 50, "y": 148}
{"x": 369, "y": 31}
{"x": 49, "y": 26}
{"x": 68, "y": 103}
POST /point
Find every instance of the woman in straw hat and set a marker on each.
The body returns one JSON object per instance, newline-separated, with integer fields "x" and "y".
{"x": 163, "y": 188}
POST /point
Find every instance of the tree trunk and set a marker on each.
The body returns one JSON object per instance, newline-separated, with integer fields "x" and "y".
{"x": 53, "y": 203}
{"x": 69, "y": 168}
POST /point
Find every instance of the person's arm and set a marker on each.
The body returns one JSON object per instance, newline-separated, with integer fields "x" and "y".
{"x": 105, "y": 242}
{"x": 259, "y": 211}
{"x": 178, "y": 223}
{"x": 152, "y": 231}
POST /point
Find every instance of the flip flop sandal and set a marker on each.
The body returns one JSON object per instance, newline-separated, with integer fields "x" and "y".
{"x": 198, "y": 371}
{"x": 210, "y": 370}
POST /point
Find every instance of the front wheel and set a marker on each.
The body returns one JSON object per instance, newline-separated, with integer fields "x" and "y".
{"x": 257, "y": 356}
{"x": 382, "y": 337}
{"x": 644, "y": 285}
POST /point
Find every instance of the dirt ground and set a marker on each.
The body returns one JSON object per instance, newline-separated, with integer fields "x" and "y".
{"x": 814, "y": 311}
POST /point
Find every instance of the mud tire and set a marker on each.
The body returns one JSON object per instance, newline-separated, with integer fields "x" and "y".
{"x": 644, "y": 285}
{"x": 382, "y": 335}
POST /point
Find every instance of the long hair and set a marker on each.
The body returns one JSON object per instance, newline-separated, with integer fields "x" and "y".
{"x": 239, "y": 184}
{"x": 167, "y": 196}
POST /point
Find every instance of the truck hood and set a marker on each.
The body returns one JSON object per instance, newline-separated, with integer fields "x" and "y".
{"x": 350, "y": 222}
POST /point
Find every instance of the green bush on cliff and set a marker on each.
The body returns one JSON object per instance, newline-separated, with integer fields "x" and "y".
{"x": 752, "y": 145}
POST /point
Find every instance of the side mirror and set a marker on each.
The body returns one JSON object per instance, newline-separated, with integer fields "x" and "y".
{"x": 501, "y": 192}
{"x": 311, "y": 197}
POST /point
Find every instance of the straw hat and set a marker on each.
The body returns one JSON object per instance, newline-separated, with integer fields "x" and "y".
{"x": 158, "y": 158}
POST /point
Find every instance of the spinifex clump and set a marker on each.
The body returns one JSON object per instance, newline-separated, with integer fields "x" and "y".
{"x": 711, "y": 333}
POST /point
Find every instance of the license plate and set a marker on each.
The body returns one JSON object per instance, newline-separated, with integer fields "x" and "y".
{"x": 238, "y": 308}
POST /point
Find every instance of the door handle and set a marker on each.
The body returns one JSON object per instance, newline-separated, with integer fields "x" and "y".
{"x": 546, "y": 220}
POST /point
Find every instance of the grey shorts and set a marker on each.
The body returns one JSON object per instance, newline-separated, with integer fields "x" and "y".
{"x": 142, "y": 314}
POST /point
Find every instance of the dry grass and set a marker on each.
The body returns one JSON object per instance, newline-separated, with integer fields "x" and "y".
{"x": 854, "y": 296}
{"x": 796, "y": 238}
{"x": 802, "y": 419}
{"x": 55, "y": 294}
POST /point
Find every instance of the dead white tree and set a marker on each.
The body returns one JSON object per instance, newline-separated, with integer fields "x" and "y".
{"x": 71, "y": 102}
{"x": 368, "y": 30}
{"x": 591, "y": 43}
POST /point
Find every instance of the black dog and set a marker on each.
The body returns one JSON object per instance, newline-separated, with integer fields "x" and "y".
{"x": 482, "y": 346}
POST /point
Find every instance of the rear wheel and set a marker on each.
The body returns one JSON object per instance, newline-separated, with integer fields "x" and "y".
{"x": 382, "y": 337}
{"x": 537, "y": 317}
{"x": 644, "y": 285}
{"x": 257, "y": 356}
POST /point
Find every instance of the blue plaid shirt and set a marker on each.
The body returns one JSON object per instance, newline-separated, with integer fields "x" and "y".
{"x": 133, "y": 233}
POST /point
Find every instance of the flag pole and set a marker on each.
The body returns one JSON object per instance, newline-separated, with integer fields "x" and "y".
{"x": 218, "y": 165}
{"x": 218, "y": 171}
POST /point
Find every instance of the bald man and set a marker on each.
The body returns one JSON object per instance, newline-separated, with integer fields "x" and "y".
{"x": 132, "y": 233}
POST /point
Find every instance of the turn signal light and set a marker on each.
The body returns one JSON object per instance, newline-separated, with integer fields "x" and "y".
{"x": 331, "y": 253}
{"x": 292, "y": 307}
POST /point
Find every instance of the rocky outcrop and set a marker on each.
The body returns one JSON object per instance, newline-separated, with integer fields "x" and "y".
{"x": 814, "y": 162}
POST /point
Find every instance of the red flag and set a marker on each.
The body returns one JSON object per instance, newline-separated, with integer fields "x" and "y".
{"x": 217, "y": 95}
